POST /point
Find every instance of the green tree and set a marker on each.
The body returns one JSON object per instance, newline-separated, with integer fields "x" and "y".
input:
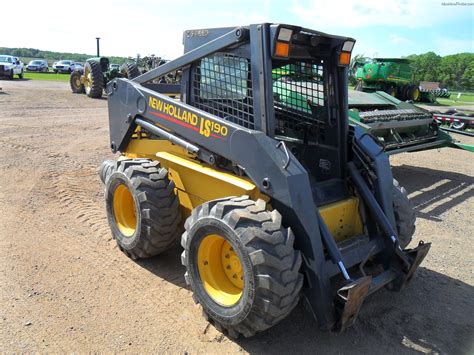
{"x": 467, "y": 79}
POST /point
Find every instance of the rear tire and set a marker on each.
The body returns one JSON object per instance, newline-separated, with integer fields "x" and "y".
{"x": 414, "y": 93}
{"x": 404, "y": 93}
{"x": 261, "y": 283}
{"x": 392, "y": 91}
{"x": 130, "y": 70}
{"x": 93, "y": 79}
{"x": 405, "y": 216}
{"x": 75, "y": 81}
{"x": 142, "y": 208}
{"x": 21, "y": 74}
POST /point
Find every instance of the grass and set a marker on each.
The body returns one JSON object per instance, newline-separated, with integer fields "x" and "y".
{"x": 467, "y": 98}
{"x": 46, "y": 76}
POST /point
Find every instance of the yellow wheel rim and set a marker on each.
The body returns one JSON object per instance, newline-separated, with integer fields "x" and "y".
{"x": 78, "y": 82}
{"x": 220, "y": 270}
{"x": 87, "y": 78}
{"x": 124, "y": 211}
{"x": 416, "y": 94}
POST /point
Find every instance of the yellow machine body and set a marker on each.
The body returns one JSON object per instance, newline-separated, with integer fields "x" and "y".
{"x": 197, "y": 183}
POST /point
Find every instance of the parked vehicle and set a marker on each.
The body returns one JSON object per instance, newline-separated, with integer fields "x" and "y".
{"x": 64, "y": 66}
{"x": 114, "y": 67}
{"x": 78, "y": 65}
{"x": 37, "y": 65}
{"x": 10, "y": 66}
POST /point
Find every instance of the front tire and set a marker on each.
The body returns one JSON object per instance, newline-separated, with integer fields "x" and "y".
{"x": 241, "y": 265}
{"x": 142, "y": 207}
{"x": 20, "y": 75}
{"x": 77, "y": 86}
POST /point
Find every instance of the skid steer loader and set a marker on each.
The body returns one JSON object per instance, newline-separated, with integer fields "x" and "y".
{"x": 274, "y": 199}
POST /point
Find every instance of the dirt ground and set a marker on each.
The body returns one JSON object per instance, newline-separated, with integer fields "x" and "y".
{"x": 65, "y": 286}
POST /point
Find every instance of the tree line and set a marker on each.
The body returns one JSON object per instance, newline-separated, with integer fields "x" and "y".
{"x": 454, "y": 72}
{"x": 53, "y": 56}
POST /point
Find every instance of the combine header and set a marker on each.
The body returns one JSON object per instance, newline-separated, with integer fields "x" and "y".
{"x": 399, "y": 126}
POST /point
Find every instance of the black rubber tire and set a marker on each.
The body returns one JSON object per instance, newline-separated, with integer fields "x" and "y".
{"x": 20, "y": 76}
{"x": 404, "y": 90}
{"x": 76, "y": 75}
{"x": 405, "y": 216}
{"x": 392, "y": 91}
{"x": 10, "y": 77}
{"x": 414, "y": 93}
{"x": 272, "y": 281}
{"x": 97, "y": 78}
{"x": 156, "y": 207}
{"x": 130, "y": 70}
{"x": 55, "y": 71}
{"x": 107, "y": 168}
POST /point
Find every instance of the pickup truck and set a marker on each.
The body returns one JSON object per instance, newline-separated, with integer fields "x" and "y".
{"x": 10, "y": 66}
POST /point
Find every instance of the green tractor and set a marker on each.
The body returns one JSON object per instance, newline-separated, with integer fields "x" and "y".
{"x": 95, "y": 75}
{"x": 393, "y": 76}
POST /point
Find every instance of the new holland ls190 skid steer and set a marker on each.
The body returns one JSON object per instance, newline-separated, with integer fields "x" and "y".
{"x": 279, "y": 198}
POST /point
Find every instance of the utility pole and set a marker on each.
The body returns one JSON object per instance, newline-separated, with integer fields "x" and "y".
{"x": 98, "y": 46}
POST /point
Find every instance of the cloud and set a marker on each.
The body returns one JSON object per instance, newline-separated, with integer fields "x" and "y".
{"x": 345, "y": 14}
{"x": 446, "y": 46}
{"x": 400, "y": 40}
{"x": 129, "y": 27}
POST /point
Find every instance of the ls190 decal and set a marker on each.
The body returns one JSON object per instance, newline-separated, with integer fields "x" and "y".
{"x": 178, "y": 115}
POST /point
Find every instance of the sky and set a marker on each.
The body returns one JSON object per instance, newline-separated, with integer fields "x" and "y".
{"x": 390, "y": 28}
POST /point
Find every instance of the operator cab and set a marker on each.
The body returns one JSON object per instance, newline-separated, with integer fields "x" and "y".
{"x": 305, "y": 70}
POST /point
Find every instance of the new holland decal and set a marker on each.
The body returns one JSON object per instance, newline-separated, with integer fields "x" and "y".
{"x": 185, "y": 118}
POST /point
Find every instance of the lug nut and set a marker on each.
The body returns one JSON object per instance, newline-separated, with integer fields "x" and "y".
{"x": 227, "y": 256}
{"x": 205, "y": 262}
{"x": 235, "y": 276}
{"x": 228, "y": 267}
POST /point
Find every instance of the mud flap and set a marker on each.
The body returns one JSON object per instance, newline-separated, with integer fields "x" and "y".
{"x": 415, "y": 257}
{"x": 349, "y": 300}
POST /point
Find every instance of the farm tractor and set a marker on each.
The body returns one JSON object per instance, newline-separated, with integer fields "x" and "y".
{"x": 93, "y": 79}
{"x": 274, "y": 198}
{"x": 392, "y": 75}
